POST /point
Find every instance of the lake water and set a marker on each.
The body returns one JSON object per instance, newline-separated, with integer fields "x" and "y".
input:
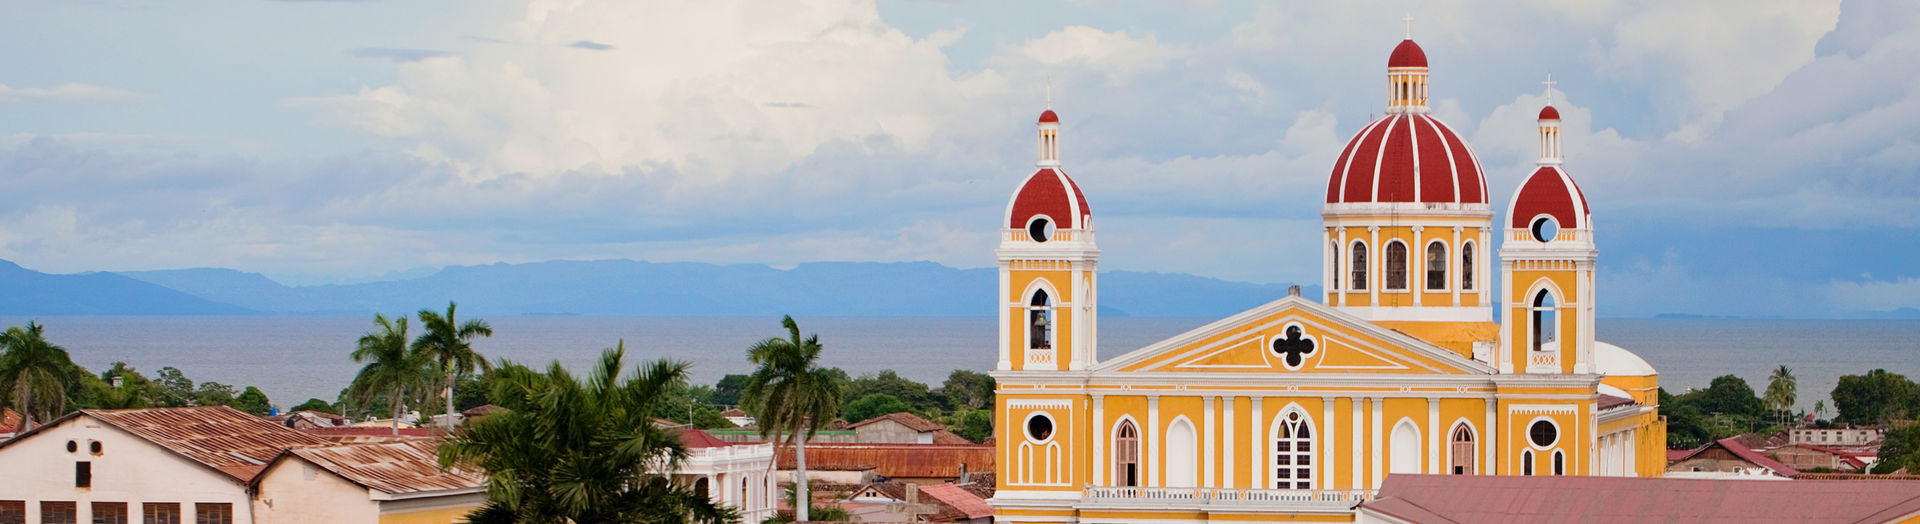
{"x": 292, "y": 358}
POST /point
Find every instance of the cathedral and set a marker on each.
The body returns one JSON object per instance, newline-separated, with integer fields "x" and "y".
{"x": 1297, "y": 409}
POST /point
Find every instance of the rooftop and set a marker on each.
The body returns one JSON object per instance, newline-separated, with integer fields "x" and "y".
{"x": 894, "y": 460}
{"x": 1501, "y": 499}
{"x": 400, "y": 467}
{"x": 911, "y": 421}
{"x": 218, "y": 437}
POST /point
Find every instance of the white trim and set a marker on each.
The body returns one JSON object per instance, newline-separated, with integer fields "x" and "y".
{"x": 1447, "y": 273}
{"x": 1029, "y": 228}
{"x": 1397, "y": 342}
{"x": 1340, "y": 191}
{"x": 1381, "y": 153}
{"x": 1027, "y": 403}
{"x": 1472, "y": 433}
{"x": 1226, "y": 437}
{"x": 1315, "y": 438}
{"x": 1315, "y": 352}
{"x": 1208, "y": 458}
{"x": 1397, "y": 464}
{"x": 1192, "y": 455}
{"x": 1026, "y": 431}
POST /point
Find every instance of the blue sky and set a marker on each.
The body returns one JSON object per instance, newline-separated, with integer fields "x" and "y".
{"x": 1742, "y": 157}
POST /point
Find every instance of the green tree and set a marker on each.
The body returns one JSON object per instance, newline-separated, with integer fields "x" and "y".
{"x": 175, "y": 389}
{"x": 972, "y": 389}
{"x": 1819, "y": 409}
{"x": 569, "y": 450}
{"x": 726, "y": 392}
{"x": 890, "y": 382}
{"x": 1781, "y": 391}
{"x": 31, "y": 366}
{"x": 789, "y": 393}
{"x": 450, "y": 344}
{"x": 253, "y": 401}
{"x": 1730, "y": 395}
{"x": 874, "y": 405}
{"x": 314, "y": 404}
{"x": 1877, "y": 397}
{"x": 974, "y": 424}
{"x": 1900, "y": 449}
{"x": 390, "y": 369}
{"x": 213, "y": 393}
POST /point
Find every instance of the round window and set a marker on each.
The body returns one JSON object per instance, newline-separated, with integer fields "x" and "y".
{"x": 73, "y": 446}
{"x": 1040, "y": 229}
{"x": 1544, "y": 229}
{"x": 1039, "y": 427}
{"x": 1543, "y": 433}
{"x": 94, "y": 447}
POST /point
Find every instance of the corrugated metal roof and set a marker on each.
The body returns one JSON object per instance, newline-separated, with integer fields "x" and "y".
{"x": 911, "y": 421}
{"x": 895, "y": 460}
{"x": 218, "y": 437}
{"x": 410, "y": 466}
{"x": 1503, "y": 499}
{"x": 966, "y": 503}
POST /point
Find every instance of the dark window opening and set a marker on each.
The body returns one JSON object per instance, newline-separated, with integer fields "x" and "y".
{"x": 1359, "y": 267}
{"x": 13, "y": 512}
{"x": 1040, "y": 319}
{"x": 1436, "y": 266}
{"x": 1544, "y": 229}
{"x": 160, "y": 513}
{"x": 1039, "y": 427}
{"x": 59, "y": 512}
{"x": 1526, "y": 462}
{"x": 1041, "y": 230}
{"x": 1545, "y": 319}
{"x": 212, "y": 513}
{"x": 1543, "y": 434}
{"x": 1466, "y": 267}
{"x": 1559, "y": 463}
{"x": 109, "y": 513}
{"x": 1396, "y": 266}
{"x": 1461, "y": 453}
{"x": 83, "y": 474}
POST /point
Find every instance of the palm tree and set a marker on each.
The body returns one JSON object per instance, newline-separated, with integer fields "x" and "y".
{"x": 1819, "y": 409}
{"x": 587, "y": 452}
{"x": 31, "y": 364}
{"x": 1781, "y": 393}
{"x": 450, "y": 345}
{"x": 391, "y": 368}
{"x": 790, "y": 393}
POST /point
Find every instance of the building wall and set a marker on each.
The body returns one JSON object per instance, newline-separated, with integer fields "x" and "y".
{"x": 128, "y": 469}
{"x": 295, "y": 491}
{"x": 888, "y": 431}
{"x": 441, "y": 509}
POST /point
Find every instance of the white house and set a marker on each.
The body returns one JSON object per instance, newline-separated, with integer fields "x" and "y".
{"x": 387, "y": 482}
{"x": 737, "y": 475}
{"x": 141, "y": 465}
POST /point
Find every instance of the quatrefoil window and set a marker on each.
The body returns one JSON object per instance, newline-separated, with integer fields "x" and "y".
{"x": 1294, "y": 348}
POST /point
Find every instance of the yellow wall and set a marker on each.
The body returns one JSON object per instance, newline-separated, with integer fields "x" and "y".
{"x": 428, "y": 516}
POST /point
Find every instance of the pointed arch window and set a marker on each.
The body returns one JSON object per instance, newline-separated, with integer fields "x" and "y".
{"x": 1359, "y": 266}
{"x": 1545, "y": 318}
{"x": 1466, "y": 266}
{"x": 1126, "y": 455}
{"x": 1436, "y": 265}
{"x": 1040, "y": 321}
{"x": 1293, "y": 452}
{"x": 1333, "y": 263}
{"x": 1396, "y": 266}
{"x": 1526, "y": 462}
{"x": 1460, "y": 457}
{"x": 1559, "y": 462}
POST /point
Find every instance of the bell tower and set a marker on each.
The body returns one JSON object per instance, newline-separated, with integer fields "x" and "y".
{"x": 1048, "y": 304}
{"x": 1546, "y": 268}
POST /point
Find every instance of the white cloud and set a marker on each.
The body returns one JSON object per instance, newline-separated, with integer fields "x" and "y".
{"x": 1721, "y": 54}
{"x": 1116, "y": 54}
{"x": 70, "y": 93}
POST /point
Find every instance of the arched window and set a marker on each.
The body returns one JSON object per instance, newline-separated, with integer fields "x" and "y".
{"x": 1183, "y": 452}
{"x": 1333, "y": 263}
{"x": 1559, "y": 462}
{"x": 1293, "y": 452}
{"x": 1545, "y": 318}
{"x": 1526, "y": 462}
{"x": 1404, "y": 449}
{"x": 1466, "y": 266}
{"x": 1040, "y": 320}
{"x": 1436, "y": 265}
{"x": 1359, "y": 266}
{"x": 1396, "y": 265}
{"x": 1461, "y": 457}
{"x": 1126, "y": 455}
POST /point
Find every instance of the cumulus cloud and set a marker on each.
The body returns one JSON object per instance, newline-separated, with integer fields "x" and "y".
{"x": 70, "y": 93}
{"x": 1114, "y": 53}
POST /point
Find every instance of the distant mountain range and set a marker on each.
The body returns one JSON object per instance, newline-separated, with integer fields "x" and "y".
{"x": 609, "y": 287}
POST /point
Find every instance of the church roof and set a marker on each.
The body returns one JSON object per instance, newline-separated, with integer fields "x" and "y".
{"x": 1050, "y": 193}
{"x": 1407, "y": 157}
{"x": 1612, "y": 360}
{"x": 1503, "y": 499}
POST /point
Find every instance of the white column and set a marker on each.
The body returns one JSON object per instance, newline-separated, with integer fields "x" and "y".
{"x": 1226, "y": 460}
{"x": 1459, "y": 267}
{"x": 1006, "y": 342}
{"x": 1374, "y": 278}
{"x": 1435, "y": 436}
{"x": 1323, "y": 470}
{"x": 1100, "y": 437}
{"x": 1507, "y": 353}
{"x": 1153, "y": 441}
{"x": 1329, "y": 269}
{"x": 1207, "y": 421}
{"x": 1417, "y": 251}
{"x": 1256, "y": 454}
{"x": 1359, "y": 433}
{"x": 1490, "y": 437}
{"x": 1378, "y": 451}
{"x": 1078, "y": 361}
{"x": 1484, "y": 258}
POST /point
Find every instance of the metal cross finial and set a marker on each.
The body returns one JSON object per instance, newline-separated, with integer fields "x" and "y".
{"x": 1409, "y": 20}
{"x": 1549, "y": 84}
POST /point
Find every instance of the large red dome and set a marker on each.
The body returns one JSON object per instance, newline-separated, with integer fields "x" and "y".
{"x": 1407, "y": 54}
{"x": 1051, "y": 194}
{"x": 1549, "y": 191}
{"x": 1407, "y": 157}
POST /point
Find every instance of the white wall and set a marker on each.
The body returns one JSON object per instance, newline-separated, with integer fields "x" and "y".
{"x": 297, "y": 492}
{"x": 128, "y": 469}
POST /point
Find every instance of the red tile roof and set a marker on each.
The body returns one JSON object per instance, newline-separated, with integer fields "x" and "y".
{"x": 1733, "y": 445}
{"x": 1504, "y": 499}
{"x": 1676, "y": 455}
{"x": 894, "y": 460}
{"x": 966, "y": 503}
{"x": 696, "y": 439}
{"x": 948, "y": 437}
{"x": 1609, "y": 402}
{"x": 1849, "y": 458}
{"x": 217, "y": 437}
{"x": 911, "y": 421}
{"x": 393, "y": 467}
{"x": 9, "y": 419}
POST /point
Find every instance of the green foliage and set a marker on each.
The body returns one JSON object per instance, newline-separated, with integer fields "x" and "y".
{"x": 1726, "y": 408}
{"x": 471, "y": 390}
{"x": 581, "y": 450}
{"x": 449, "y": 343}
{"x": 1730, "y": 395}
{"x": 817, "y": 512}
{"x": 35, "y": 373}
{"x": 915, "y": 394}
{"x": 686, "y": 404}
{"x": 393, "y": 374}
{"x": 213, "y": 393}
{"x": 974, "y": 424}
{"x": 174, "y": 388}
{"x": 1900, "y": 449}
{"x": 874, "y": 405}
{"x": 789, "y": 392}
{"x": 1782, "y": 391}
{"x": 314, "y": 404}
{"x": 968, "y": 388}
{"x": 727, "y": 391}
{"x": 1877, "y": 397}
{"x": 253, "y": 401}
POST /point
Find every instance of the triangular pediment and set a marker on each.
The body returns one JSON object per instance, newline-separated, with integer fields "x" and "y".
{"x": 1294, "y": 335}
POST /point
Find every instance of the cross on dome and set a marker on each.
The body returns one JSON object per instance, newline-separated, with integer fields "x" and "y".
{"x": 1050, "y": 90}
{"x": 1549, "y": 83}
{"x": 1409, "y": 20}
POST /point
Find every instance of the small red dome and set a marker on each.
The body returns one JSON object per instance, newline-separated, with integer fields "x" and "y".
{"x": 1407, "y": 54}
{"x": 1549, "y": 113}
{"x": 1050, "y": 193}
{"x": 1551, "y": 192}
{"x": 1407, "y": 157}
{"x": 1049, "y": 117}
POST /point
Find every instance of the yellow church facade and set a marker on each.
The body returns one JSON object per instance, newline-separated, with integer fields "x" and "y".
{"x": 1296, "y": 410}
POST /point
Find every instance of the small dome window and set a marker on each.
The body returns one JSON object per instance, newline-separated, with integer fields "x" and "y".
{"x": 73, "y": 446}
{"x": 1545, "y": 229}
{"x": 1040, "y": 229}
